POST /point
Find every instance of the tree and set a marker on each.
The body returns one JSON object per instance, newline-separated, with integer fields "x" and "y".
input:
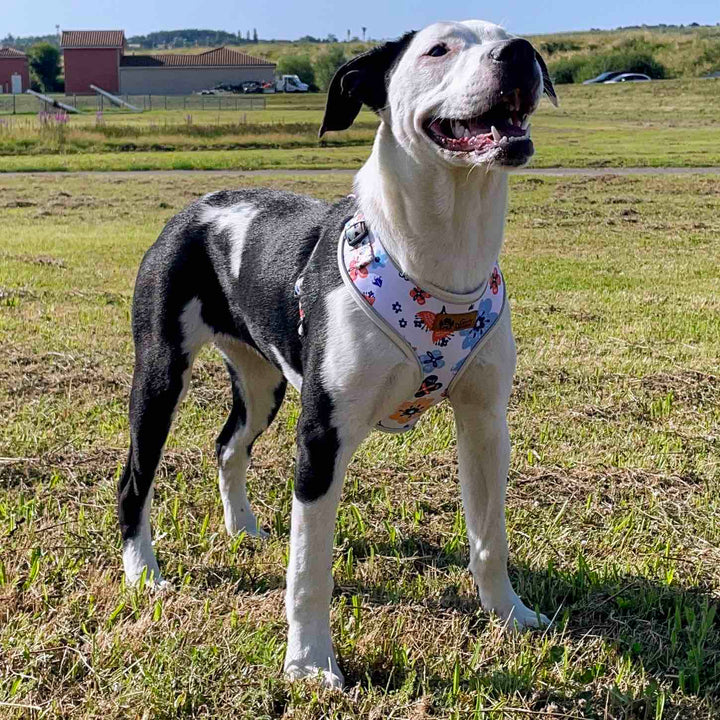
{"x": 299, "y": 65}
{"x": 45, "y": 65}
{"x": 255, "y": 35}
{"x": 326, "y": 65}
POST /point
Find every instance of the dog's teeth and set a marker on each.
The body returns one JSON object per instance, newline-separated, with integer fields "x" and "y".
{"x": 525, "y": 123}
{"x": 458, "y": 129}
{"x": 497, "y": 137}
{"x": 466, "y": 134}
{"x": 527, "y": 128}
{"x": 504, "y": 140}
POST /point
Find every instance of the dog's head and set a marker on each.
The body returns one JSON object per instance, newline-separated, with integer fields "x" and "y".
{"x": 460, "y": 92}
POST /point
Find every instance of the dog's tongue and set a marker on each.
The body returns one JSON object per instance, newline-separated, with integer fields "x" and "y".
{"x": 474, "y": 134}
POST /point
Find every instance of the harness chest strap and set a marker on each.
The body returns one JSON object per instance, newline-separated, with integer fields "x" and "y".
{"x": 440, "y": 332}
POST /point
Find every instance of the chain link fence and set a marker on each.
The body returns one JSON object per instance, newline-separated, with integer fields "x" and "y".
{"x": 27, "y": 104}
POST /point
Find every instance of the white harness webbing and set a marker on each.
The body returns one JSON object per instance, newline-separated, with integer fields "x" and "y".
{"x": 439, "y": 331}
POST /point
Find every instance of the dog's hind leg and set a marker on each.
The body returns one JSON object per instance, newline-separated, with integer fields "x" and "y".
{"x": 258, "y": 389}
{"x": 164, "y": 354}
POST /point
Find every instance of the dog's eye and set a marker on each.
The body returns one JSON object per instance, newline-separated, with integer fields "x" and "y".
{"x": 437, "y": 50}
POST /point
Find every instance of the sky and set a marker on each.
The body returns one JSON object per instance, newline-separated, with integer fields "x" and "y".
{"x": 286, "y": 19}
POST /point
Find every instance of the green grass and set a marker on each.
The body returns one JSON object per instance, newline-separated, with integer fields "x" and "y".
{"x": 612, "y": 506}
{"x": 669, "y": 123}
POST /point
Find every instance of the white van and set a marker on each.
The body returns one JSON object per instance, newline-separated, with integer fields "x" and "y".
{"x": 291, "y": 83}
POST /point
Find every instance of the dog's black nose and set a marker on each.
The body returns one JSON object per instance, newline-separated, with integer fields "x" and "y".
{"x": 513, "y": 51}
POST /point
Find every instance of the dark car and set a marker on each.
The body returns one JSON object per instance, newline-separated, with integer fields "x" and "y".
{"x": 252, "y": 86}
{"x": 603, "y": 77}
{"x": 629, "y": 77}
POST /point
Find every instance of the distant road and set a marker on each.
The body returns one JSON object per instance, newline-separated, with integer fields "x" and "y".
{"x": 547, "y": 172}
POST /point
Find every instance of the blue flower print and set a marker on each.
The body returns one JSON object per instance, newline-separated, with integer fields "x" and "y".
{"x": 484, "y": 320}
{"x": 402, "y": 322}
{"x": 377, "y": 281}
{"x": 397, "y": 307}
{"x": 456, "y": 367}
{"x": 431, "y": 360}
{"x": 418, "y": 322}
{"x": 379, "y": 261}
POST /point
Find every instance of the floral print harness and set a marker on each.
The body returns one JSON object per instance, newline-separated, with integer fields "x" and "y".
{"x": 439, "y": 331}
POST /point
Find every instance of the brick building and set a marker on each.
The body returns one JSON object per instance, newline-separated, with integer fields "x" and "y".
{"x": 92, "y": 57}
{"x": 14, "y": 71}
{"x": 98, "y": 57}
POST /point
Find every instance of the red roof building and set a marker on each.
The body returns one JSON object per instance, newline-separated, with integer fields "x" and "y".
{"x": 92, "y": 57}
{"x": 97, "y": 57}
{"x": 14, "y": 71}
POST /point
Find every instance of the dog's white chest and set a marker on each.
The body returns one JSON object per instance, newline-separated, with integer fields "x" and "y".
{"x": 439, "y": 331}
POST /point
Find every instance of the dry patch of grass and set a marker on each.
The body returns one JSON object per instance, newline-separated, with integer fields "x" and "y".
{"x": 612, "y": 503}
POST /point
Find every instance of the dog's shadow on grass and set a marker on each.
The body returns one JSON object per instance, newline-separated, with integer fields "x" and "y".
{"x": 672, "y": 632}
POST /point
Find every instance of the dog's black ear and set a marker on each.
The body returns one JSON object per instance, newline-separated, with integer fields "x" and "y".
{"x": 361, "y": 80}
{"x": 548, "y": 88}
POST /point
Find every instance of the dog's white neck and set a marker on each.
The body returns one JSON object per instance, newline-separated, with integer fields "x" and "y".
{"x": 443, "y": 226}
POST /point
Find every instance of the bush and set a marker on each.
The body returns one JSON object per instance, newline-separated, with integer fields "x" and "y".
{"x": 327, "y": 64}
{"x": 299, "y": 65}
{"x": 583, "y": 67}
{"x": 624, "y": 60}
{"x": 564, "y": 71}
{"x": 552, "y": 46}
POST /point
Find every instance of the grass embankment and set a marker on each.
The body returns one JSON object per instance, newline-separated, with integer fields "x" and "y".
{"x": 613, "y": 499}
{"x": 683, "y": 51}
{"x": 664, "y": 123}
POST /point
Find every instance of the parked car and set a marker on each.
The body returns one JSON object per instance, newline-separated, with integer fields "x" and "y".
{"x": 227, "y": 88}
{"x": 603, "y": 77}
{"x": 291, "y": 83}
{"x": 629, "y": 77}
{"x": 252, "y": 86}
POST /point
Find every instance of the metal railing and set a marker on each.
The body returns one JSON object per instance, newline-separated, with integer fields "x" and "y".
{"x": 27, "y": 104}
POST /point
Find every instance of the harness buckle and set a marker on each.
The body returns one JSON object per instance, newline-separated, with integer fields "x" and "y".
{"x": 356, "y": 233}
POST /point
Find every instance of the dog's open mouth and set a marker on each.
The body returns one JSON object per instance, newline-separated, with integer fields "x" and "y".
{"x": 506, "y": 125}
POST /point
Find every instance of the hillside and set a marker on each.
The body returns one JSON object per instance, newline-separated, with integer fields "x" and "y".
{"x": 662, "y": 51}
{"x": 691, "y": 51}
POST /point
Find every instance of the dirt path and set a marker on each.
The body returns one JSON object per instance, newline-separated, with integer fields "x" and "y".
{"x": 547, "y": 172}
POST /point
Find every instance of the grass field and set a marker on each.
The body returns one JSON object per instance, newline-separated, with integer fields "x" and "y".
{"x": 613, "y": 498}
{"x": 669, "y": 123}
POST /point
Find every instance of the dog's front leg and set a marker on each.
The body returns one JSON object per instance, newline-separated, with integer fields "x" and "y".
{"x": 321, "y": 462}
{"x": 480, "y": 404}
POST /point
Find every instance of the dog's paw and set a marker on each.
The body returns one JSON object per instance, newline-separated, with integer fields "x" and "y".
{"x": 149, "y": 581}
{"x": 330, "y": 677}
{"x": 517, "y": 617}
{"x": 163, "y": 587}
{"x": 244, "y": 521}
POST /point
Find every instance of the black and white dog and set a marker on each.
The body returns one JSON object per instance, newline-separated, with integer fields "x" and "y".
{"x": 453, "y": 100}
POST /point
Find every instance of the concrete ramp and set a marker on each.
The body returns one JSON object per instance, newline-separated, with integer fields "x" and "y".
{"x": 52, "y": 102}
{"x": 114, "y": 99}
